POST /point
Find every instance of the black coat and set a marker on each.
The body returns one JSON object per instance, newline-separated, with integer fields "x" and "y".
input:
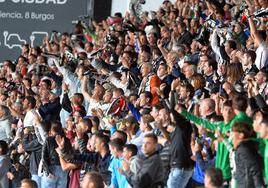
{"x": 49, "y": 154}
{"x": 248, "y": 165}
{"x": 34, "y": 148}
{"x": 50, "y": 111}
{"x": 185, "y": 38}
{"x": 180, "y": 148}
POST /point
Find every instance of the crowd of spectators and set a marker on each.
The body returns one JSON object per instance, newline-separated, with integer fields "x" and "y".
{"x": 170, "y": 98}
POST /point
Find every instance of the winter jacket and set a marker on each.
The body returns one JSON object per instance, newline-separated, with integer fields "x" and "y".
{"x": 5, "y": 164}
{"x": 49, "y": 154}
{"x": 150, "y": 175}
{"x": 34, "y": 148}
{"x": 248, "y": 165}
{"x": 50, "y": 111}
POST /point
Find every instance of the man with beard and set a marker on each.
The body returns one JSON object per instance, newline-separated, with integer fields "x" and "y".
{"x": 166, "y": 79}
{"x": 150, "y": 82}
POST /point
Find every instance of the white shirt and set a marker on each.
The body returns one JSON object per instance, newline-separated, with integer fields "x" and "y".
{"x": 29, "y": 118}
{"x": 92, "y": 104}
{"x": 261, "y": 55}
{"x": 117, "y": 83}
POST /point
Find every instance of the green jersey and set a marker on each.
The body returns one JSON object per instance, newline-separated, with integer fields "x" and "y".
{"x": 266, "y": 161}
{"x": 222, "y": 156}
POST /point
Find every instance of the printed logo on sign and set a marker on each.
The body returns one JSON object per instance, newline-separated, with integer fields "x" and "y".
{"x": 13, "y": 40}
{"x": 36, "y": 34}
{"x": 15, "y": 15}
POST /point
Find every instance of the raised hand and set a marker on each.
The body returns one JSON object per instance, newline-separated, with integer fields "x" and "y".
{"x": 160, "y": 43}
{"x": 162, "y": 86}
{"x": 125, "y": 165}
{"x": 175, "y": 83}
{"x": 219, "y": 135}
{"x": 64, "y": 86}
{"x": 36, "y": 119}
{"x": 60, "y": 141}
{"x": 79, "y": 132}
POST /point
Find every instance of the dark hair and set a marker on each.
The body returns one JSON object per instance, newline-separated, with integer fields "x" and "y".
{"x": 119, "y": 90}
{"x": 11, "y": 65}
{"x": 118, "y": 14}
{"x": 130, "y": 119}
{"x": 189, "y": 88}
{"x": 252, "y": 55}
{"x": 81, "y": 112}
{"x": 3, "y": 79}
{"x": 159, "y": 106}
{"x": 27, "y": 46}
{"x": 4, "y": 147}
{"x": 264, "y": 72}
{"x": 28, "y": 80}
{"x": 33, "y": 55}
{"x": 30, "y": 183}
{"x": 149, "y": 95}
{"x": 244, "y": 128}
{"x": 87, "y": 122}
{"x": 96, "y": 179}
{"x": 90, "y": 44}
{"x": 212, "y": 63}
{"x": 132, "y": 148}
{"x": 133, "y": 95}
{"x": 117, "y": 143}
{"x": 151, "y": 135}
{"x": 215, "y": 175}
{"x": 164, "y": 64}
{"x": 228, "y": 103}
{"x": 240, "y": 103}
{"x": 263, "y": 34}
{"x": 103, "y": 139}
{"x": 95, "y": 121}
{"x": 232, "y": 44}
{"x": 124, "y": 136}
{"x": 175, "y": 11}
{"x": 265, "y": 119}
{"x": 156, "y": 51}
{"x": 47, "y": 82}
{"x": 38, "y": 50}
{"x": 146, "y": 48}
{"x": 57, "y": 128}
{"x": 182, "y": 24}
{"x": 31, "y": 100}
{"x": 46, "y": 125}
{"x": 130, "y": 55}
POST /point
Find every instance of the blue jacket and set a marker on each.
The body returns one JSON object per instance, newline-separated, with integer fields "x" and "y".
{"x": 117, "y": 180}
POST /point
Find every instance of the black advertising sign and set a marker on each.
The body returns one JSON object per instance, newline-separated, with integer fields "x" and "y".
{"x": 29, "y": 21}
